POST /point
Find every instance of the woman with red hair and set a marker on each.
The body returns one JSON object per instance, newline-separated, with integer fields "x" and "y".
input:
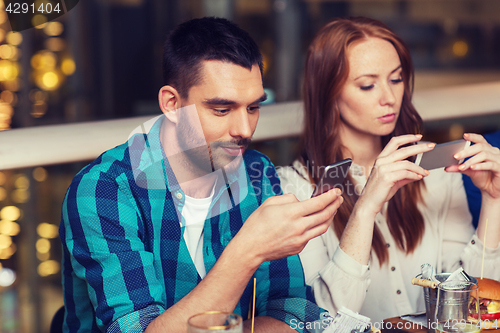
{"x": 396, "y": 216}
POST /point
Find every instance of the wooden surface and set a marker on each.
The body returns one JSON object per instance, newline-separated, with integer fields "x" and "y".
{"x": 406, "y": 326}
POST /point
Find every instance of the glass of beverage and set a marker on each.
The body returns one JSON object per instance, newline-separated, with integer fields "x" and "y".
{"x": 215, "y": 321}
{"x": 455, "y": 300}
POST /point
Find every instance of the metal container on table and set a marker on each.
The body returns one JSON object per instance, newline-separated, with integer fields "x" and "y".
{"x": 430, "y": 297}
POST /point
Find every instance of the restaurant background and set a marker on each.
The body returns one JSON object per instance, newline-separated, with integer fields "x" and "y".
{"x": 102, "y": 60}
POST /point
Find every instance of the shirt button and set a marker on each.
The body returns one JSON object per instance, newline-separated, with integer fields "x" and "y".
{"x": 460, "y": 263}
{"x": 179, "y": 195}
{"x": 393, "y": 268}
{"x": 473, "y": 242}
{"x": 398, "y": 292}
{"x": 388, "y": 245}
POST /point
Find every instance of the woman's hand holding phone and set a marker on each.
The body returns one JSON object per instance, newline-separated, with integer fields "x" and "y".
{"x": 392, "y": 171}
{"x": 483, "y": 166}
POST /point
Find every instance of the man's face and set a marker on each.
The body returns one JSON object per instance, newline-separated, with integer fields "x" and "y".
{"x": 227, "y": 104}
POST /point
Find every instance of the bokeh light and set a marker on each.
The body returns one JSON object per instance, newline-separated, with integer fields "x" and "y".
{"x": 10, "y": 213}
{"x": 68, "y": 66}
{"x": 9, "y": 228}
{"x": 13, "y": 85}
{"x": 37, "y": 95}
{"x": 47, "y": 230}
{"x": 14, "y": 38}
{"x": 460, "y": 48}
{"x": 456, "y": 131}
{"x": 39, "y": 109}
{"x": 44, "y": 60}
{"x": 7, "y": 51}
{"x": 3, "y": 16}
{"x": 6, "y": 109}
{"x": 55, "y": 44}
{"x": 22, "y": 182}
{"x": 42, "y": 245}
{"x": 48, "y": 267}
{"x": 7, "y": 277}
{"x": 20, "y": 196}
{"x": 53, "y": 28}
{"x": 43, "y": 256}
{"x": 50, "y": 80}
{"x": 40, "y": 174}
{"x": 8, "y": 70}
{"x": 8, "y": 97}
{"x": 5, "y": 241}
{"x": 39, "y": 21}
{"x": 3, "y": 194}
{"x": 8, "y": 252}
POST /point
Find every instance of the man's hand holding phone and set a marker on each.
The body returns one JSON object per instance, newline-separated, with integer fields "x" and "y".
{"x": 332, "y": 177}
{"x": 283, "y": 225}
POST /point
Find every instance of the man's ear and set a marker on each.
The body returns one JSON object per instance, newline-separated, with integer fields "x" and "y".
{"x": 169, "y": 101}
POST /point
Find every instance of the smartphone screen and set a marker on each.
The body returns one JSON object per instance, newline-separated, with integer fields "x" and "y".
{"x": 333, "y": 176}
{"x": 442, "y": 155}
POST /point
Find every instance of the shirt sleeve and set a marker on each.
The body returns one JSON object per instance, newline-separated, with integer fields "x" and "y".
{"x": 106, "y": 252}
{"x": 340, "y": 281}
{"x": 281, "y": 289}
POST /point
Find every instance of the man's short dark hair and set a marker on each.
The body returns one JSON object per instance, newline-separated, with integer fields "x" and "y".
{"x": 207, "y": 38}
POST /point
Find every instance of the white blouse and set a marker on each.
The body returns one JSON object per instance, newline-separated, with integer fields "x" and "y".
{"x": 449, "y": 241}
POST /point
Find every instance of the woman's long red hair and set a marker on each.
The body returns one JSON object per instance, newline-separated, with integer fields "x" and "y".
{"x": 326, "y": 71}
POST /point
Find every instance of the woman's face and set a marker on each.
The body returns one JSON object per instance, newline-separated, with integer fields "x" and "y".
{"x": 370, "y": 100}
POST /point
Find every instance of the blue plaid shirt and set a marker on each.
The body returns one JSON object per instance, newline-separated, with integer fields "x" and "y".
{"x": 124, "y": 257}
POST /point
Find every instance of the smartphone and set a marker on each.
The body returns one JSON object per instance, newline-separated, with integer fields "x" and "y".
{"x": 332, "y": 176}
{"x": 442, "y": 155}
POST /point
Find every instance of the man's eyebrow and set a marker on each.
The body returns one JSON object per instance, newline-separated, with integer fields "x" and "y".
{"x": 260, "y": 99}
{"x": 219, "y": 101}
{"x": 224, "y": 101}
{"x": 375, "y": 75}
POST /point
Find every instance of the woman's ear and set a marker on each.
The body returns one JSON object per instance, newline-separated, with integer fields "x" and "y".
{"x": 169, "y": 101}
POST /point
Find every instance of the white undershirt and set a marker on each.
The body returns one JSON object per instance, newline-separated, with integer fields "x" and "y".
{"x": 194, "y": 212}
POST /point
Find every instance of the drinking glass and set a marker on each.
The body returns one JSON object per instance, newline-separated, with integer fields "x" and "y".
{"x": 215, "y": 321}
{"x": 454, "y": 298}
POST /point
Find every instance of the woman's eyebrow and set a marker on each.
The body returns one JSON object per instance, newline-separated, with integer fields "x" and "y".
{"x": 376, "y": 75}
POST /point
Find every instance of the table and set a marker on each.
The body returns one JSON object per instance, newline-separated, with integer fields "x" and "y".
{"x": 405, "y": 326}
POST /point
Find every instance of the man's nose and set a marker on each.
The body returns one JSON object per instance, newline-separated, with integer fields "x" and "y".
{"x": 241, "y": 126}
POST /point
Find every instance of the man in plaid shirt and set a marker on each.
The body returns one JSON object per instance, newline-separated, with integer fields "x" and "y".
{"x": 179, "y": 219}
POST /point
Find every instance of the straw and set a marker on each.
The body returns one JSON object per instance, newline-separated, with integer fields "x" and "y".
{"x": 484, "y": 248}
{"x": 253, "y": 306}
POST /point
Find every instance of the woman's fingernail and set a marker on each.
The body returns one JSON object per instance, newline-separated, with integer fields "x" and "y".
{"x": 427, "y": 172}
{"x": 461, "y": 167}
{"x": 420, "y": 176}
{"x": 456, "y": 156}
{"x": 418, "y": 136}
{"x": 466, "y": 135}
{"x": 431, "y": 145}
{"x": 338, "y": 191}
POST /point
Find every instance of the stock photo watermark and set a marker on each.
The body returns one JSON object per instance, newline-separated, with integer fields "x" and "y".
{"x": 24, "y": 14}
